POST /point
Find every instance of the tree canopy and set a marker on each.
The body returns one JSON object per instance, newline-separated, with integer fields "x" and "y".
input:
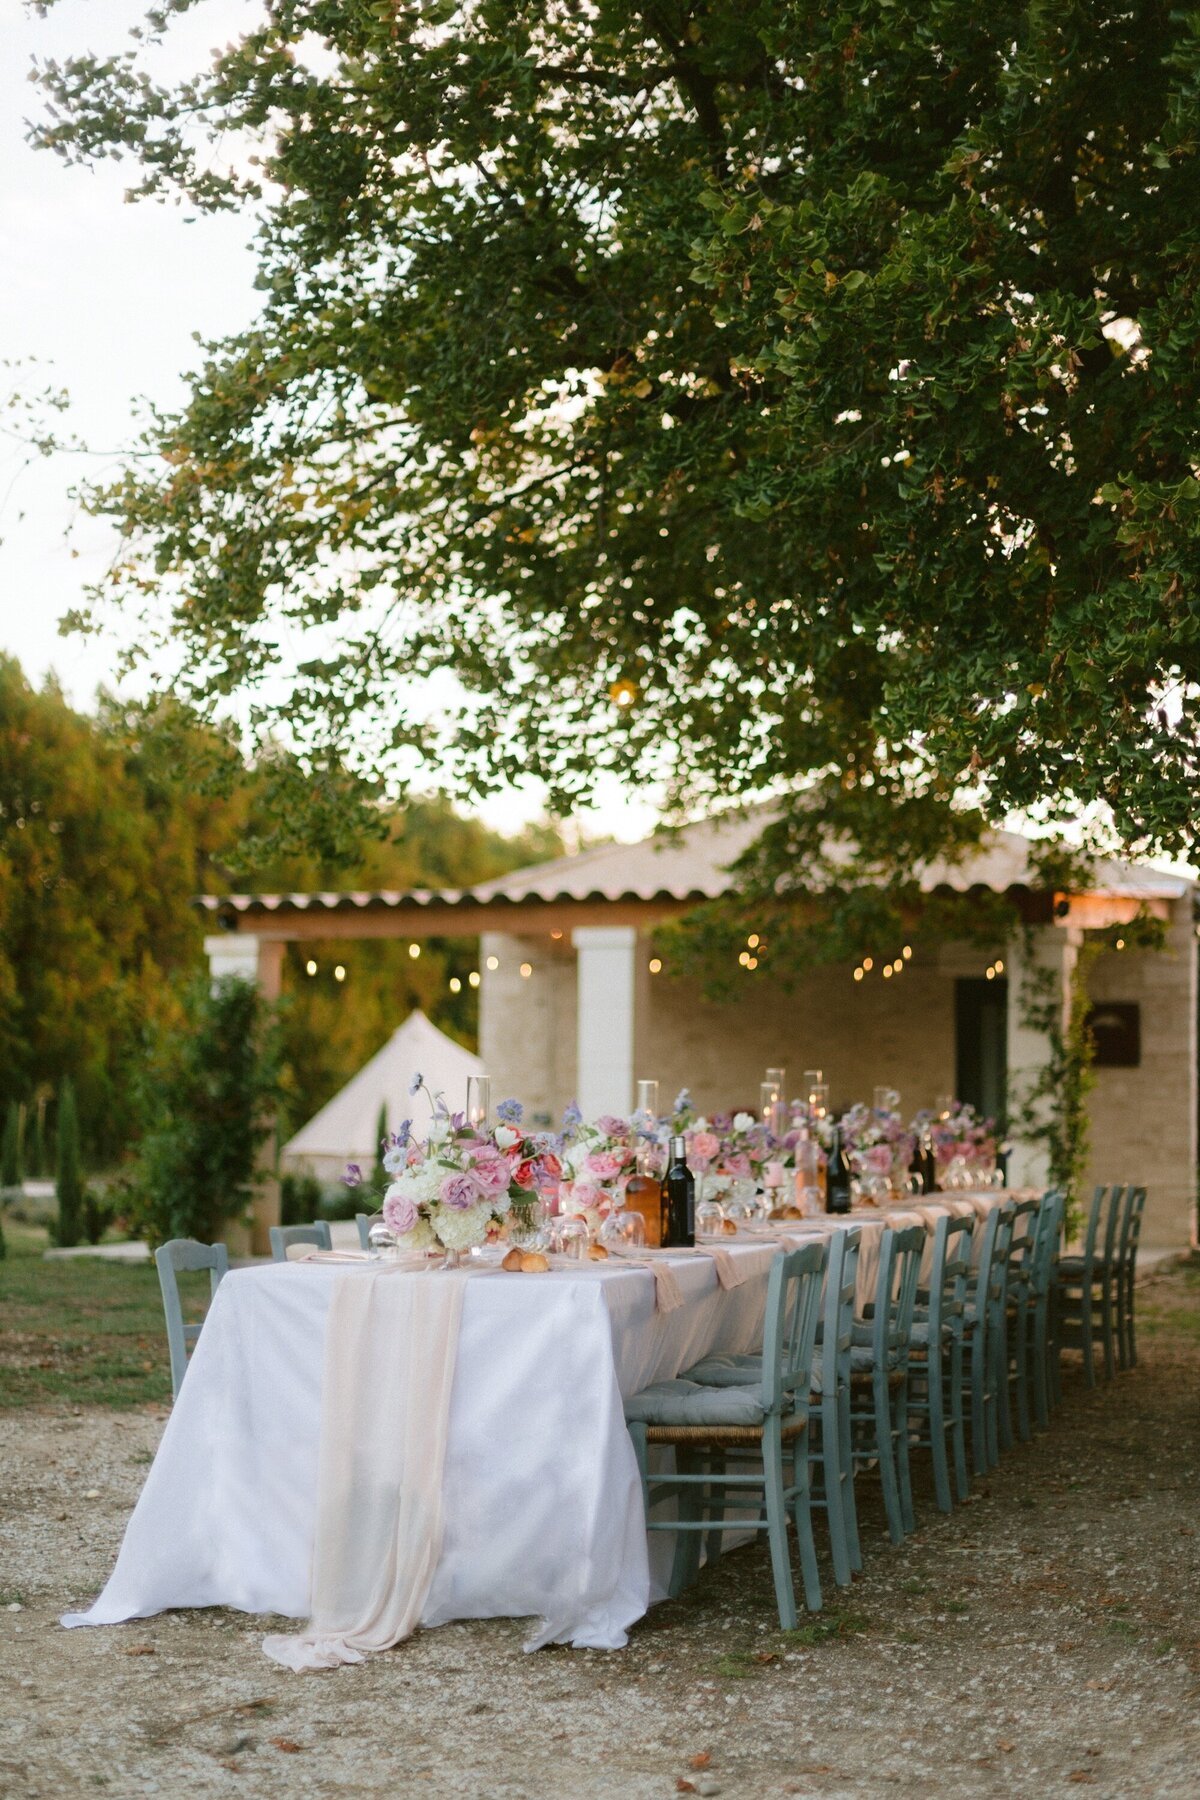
{"x": 758, "y": 395}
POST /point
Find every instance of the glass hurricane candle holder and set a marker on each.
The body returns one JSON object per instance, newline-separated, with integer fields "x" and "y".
{"x": 479, "y": 1101}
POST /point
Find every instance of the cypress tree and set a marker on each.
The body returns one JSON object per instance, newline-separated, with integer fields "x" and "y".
{"x": 10, "y": 1148}
{"x": 69, "y": 1172}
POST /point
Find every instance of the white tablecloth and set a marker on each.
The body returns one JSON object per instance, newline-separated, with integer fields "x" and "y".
{"x": 543, "y": 1508}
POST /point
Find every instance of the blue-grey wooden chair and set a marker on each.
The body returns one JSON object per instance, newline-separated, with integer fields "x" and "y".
{"x": 879, "y": 1375}
{"x": 830, "y": 1449}
{"x": 1043, "y": 1343}
{"x": 1131, "y": 1231}
{"x": 364, "y": 1221}
{"x": 936, "y": 1360}
{"x": 1012, "y": 1339}
{"x": 178, "y": 1256}
{"x": 284, "y": 1236}
{"x": 766, "y": 1424}
{"x": 1074, "y": 1284}
{"x": 983, "y": 1323}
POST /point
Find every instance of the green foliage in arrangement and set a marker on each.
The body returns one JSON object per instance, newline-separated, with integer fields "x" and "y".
{"x": 819, "y": 381}
{"x": 206, "y": 1094}
{"x": 68, "y": 1172}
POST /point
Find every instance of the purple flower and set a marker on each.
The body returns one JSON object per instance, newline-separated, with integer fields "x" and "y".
{"x": 353, "y": 1176}
{"x": 461, "y": 1192}
{"x": 572, "y": 1117}
{"x": 510, "y": 1112}
{"x": 417, "y": 1082}
{"x": 611, "y": 1126}
{"x": 399, "y": 1213}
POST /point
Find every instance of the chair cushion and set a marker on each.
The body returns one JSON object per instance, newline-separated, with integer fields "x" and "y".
{"x": 725, "y": 1368}
{"x": 682, "y": 1402}
{"x": 920, "y": 1332}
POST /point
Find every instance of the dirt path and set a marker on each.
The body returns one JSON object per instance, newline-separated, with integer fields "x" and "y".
{"x": 1043, "y": 1639}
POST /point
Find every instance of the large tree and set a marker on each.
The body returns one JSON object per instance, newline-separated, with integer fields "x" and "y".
{"x": 767, "y": 396}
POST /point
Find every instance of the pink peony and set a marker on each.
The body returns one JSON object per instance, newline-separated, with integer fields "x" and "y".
{"x": 604, "y": 1165}
{"x": 460, "y": 1192}
{"x": 705, "y": 1145}
{"x": 611, "y": 1126}
{"x": 399, "y": 1214}
{"x": 583, "y": 1195}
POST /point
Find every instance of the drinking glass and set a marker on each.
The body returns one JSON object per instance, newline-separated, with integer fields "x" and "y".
{"x": 380, "y": 1241}
{"x": 710, "y": 1220}
{"x": 811, "y": 1202}
{"x": 647, "y": 1098}
{"x": 571, "y": 1237}
{"x": 622, "y": 1230}
{"x": 479, "y": 1101}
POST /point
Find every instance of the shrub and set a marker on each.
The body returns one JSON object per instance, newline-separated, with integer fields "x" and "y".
{"x": 10, "y": 1148}
{"x": 300, "y": 1199}
{"x": 205, "y": 1098}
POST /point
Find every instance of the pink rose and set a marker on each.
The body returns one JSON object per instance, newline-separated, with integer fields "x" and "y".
{"x": 491, "y": 1173}
{"x": 399, "y": 1214}
{"x": 604, "y": 1165}
{"x": 584, "y": 1195}
{"x": 611, "y": 1126}
{"x": 705, "y": 1145}
{"x": 460, "y": 1192}
{"x": 524, "y": 1174}
{"x": 879, "y": 1159}
{"x": 738, "y": 1165}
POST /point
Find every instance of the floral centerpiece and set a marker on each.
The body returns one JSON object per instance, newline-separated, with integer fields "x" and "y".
{"x": 454, "y": 1188}
{"x": 596, "y": 1155}
{"x": 878, "y": 1141}
{"x": 962, "y": 1133}
{"x": 746, "y": 1145}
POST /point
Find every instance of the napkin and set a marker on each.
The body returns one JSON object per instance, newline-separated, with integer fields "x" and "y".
{"x": 667, "y": 1293}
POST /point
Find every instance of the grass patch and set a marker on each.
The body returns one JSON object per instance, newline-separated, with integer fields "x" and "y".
{"x": 829, "y": 1625}
{"x": 81, "y": 1331}
{"x": 1121, "y": 1628}
{"x": 957, "y": 1606}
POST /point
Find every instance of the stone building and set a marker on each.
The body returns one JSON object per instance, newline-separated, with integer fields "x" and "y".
{"x": 573, "y": 1004}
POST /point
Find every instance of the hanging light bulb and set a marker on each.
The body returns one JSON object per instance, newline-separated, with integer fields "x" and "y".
{"x": 414, "y": 950}
{"x": 339, "y": 974}
{"x": 868, "y": 964}
{"x": 858, "y": 974}
{"x": 310, "y": 967}
{"x": 623, "y": 693}
{"x": 455, "y": 985}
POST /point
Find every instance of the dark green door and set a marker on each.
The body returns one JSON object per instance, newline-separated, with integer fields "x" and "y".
{"x": 981, "y": 1043}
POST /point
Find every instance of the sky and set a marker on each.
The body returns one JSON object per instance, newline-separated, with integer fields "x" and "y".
{"x": 105, "y": 300}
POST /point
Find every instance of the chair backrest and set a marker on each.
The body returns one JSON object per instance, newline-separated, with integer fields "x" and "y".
{"x": 1115, "y": 1207}
{"x": 900, "y": 1255}
{"x": 841, "y": 1287}
{"x": 364, "y": 1221}
{"x": 1131, "y": 1228}
{"x": 172, "y": 1259}
{"x": 993, "y": 1281}
{"x": 1046, "y": 1240}
{"x": 948, "y": 1278}
{"x": 1095, "y": 1213}
{"x": 790, "y": 1327}
{"x": 1024, "y": 1237}
{"x": 284, "y": 1236}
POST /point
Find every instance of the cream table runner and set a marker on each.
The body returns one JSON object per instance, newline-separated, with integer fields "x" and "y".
{"x": 390, "y": 1352}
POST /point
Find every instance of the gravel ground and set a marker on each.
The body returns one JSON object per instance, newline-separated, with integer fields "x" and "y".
{"x": 1043, "y": 1638}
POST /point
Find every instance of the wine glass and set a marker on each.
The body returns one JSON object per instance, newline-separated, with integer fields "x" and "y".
{"x": 381, "y": 1241}
{"x": 623, "y": 1230}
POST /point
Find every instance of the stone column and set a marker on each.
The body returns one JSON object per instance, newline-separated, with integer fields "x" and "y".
{"x": 605, "y": 958}
{"x": 1054, "y": 950}
{"x": 257, "y": 959}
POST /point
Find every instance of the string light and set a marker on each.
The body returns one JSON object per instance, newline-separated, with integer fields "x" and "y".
{"x": 858, "y": 974}
{"x": 655, "y": 965}
{"x": 990, "y": 974}
{"x": 310, "y": 967}
{"x": 473, "y": 978}
{"x": 414, "y": 950}
{"x": 744, "y": 958}
{"x": 623, "y": 693}
{"x": 1120, "y": 943}
{"x": 898, "y": 965}
{"x": 752, "y": 962}
{"x": 998, "y": 965}
{"x": 752, "y": 940}
{"x": 867, "y": 964}
{"x": 455, "y": 985}
{"x": 526, "y": 970}
{"x": 493, "y": 962}
{"x": 906, "y": 953}
{"x": 887, "y": 970}
{"x": 339, "y": 974}
{"x": 556, "y": 935}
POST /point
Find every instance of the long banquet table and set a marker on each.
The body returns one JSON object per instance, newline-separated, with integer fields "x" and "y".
{"x": 543, "y": 1507}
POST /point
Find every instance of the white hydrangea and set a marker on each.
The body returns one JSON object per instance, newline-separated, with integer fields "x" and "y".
{"x": 744, "y": 1121}
{"x": 420, "y": 1184}
{"x": 463, "y": 1230}
{"x": 419, "y": 1239}
{"x": 578, "y": 1154}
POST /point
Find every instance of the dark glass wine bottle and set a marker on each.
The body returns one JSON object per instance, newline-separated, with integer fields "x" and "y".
{"x": 679, "y": 1199}
{"x": 837, "y": 1176}
{"x": 928, "y": 1162}
{"x": 916, "y": 1167}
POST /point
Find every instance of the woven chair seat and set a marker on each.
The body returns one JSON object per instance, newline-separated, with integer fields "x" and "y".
{"x": 726, "y": 1368}
{"x": 684, "y": 1412}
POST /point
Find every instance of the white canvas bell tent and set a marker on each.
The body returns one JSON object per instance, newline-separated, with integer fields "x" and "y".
{"x": 344, "y": 1129}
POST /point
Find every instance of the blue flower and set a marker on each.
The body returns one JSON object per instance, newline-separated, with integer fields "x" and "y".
{"x": 683, "y": 1101}
{"x": 572, "y": 1117}
{"x": 510, "y": 1112}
